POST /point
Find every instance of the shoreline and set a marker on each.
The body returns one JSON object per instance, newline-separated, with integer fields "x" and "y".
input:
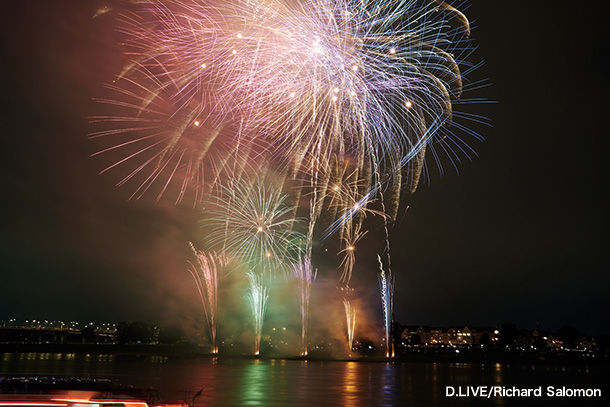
{"x": 425, "y": 355}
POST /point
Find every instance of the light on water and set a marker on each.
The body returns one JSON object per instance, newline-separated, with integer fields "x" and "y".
{"x": 241, "y": 381}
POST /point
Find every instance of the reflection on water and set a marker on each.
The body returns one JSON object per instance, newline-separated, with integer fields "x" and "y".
{"x": 251, "y": 382}
{"x": 350, "y": 393}
{"x": 436, "y": 391}
{"x": 254, "y": 381}
{"x": 498, "y": 381}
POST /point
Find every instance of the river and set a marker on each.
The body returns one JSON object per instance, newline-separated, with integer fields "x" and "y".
{"x": 234, "y": 381}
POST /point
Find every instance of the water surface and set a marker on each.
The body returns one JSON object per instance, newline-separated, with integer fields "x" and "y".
{"x": 276, "y": 382}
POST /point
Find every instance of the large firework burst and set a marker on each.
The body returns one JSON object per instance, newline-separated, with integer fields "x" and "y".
{"x": 307, "y": 85}
{"x": 252, "y": 222}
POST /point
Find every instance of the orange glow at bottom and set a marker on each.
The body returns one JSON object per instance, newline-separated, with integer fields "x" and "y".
{"x": 29, "y": 403}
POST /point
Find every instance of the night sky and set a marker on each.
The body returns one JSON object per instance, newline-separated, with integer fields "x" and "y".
{"x": 519, "y": 235}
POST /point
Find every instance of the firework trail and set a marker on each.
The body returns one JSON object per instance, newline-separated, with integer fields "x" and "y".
{"x": 350, "y": 316}
{"x": 205, "y": 274}
{"x": 251, "y": 221}
{"x": 386, "y": 287}
{"x": 344, "y": 197}
{"x": 258, "y": 295}
{"x": 305, "y": 275}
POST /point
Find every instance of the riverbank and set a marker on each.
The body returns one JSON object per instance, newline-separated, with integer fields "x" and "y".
{"x": 440, "y": 355}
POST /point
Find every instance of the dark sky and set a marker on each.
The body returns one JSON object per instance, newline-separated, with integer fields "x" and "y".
{"x": 519, "y": 235}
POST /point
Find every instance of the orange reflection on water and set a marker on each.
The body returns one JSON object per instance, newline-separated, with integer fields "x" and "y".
{"x": 350, "y": 388}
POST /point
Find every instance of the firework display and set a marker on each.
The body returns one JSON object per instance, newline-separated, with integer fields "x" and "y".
{"x": 294, "y": 123}
{"x": 305, "y": 275}
{"x": 205, "y": 274}
{"x": 258, "y": 295}
{"x": 252, "y": 222}
{"x": 386, "y": 287}
{"x": 350, "y": 319}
